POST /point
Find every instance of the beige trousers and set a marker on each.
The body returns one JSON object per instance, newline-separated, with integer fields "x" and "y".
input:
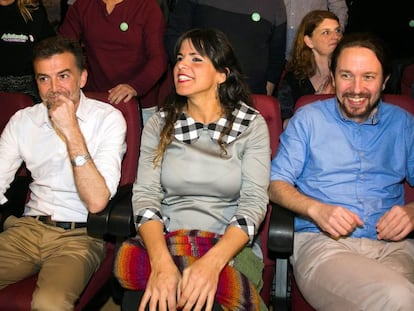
{"x": 65, "y": 260}
{"x": 354, "y": 273}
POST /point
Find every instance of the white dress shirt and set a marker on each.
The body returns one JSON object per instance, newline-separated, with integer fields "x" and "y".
{"x": 29, "y": 137}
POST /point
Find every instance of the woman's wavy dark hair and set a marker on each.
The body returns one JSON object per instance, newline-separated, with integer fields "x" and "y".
{"x": 302, "y": 62}
{"x": 214, "y": 45}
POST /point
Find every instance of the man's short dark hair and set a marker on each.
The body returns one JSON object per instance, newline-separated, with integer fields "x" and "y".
{"x": 57, "y": 45}
{"x": 365, "y": 40}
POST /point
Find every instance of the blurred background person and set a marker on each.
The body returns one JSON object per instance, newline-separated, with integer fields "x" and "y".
{"x": 297, "y": 9}
{"x": 164, "y": 5}
{"x": 307, "y": 70}
{"x": 256, "y": 30}
{"x": 22, "y": 23}
{"x": 123, "y": 42}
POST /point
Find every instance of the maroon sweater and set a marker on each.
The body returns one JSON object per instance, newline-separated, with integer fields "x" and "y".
{"x": 125, "y": 46}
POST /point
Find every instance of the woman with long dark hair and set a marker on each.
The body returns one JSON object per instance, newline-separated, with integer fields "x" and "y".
{"x": 201, "y": 189}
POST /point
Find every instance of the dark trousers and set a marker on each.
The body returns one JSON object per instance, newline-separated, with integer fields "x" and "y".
{"x": 131, "y": 300}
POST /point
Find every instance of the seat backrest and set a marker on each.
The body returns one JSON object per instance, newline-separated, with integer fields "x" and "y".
{"x": 10, "y": 103}
{"x": 310, "y": 98}
{"x": 133, "y": 136}
{"x": 404, "y": 101}
{"x": 268, "y": 106}
{"x": 407, "y": 80}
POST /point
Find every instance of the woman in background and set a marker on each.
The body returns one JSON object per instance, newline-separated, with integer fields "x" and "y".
{"x": 22, "y": 23}
{"x": 307, "y": 70}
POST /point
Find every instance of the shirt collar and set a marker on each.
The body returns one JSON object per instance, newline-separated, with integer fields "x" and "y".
{"x": 84, "y": 109}
{"x": 187, "y": 130}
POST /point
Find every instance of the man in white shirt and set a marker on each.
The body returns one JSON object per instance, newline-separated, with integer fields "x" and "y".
{"x": 73, "y": 147}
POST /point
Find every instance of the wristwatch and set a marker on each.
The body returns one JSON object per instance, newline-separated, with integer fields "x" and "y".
{"x": 80, "y": 160}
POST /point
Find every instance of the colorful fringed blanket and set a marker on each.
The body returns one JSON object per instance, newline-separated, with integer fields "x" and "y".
{"x": 132, "y": 268}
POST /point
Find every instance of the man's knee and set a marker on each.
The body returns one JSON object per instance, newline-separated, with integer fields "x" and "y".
{"x": 397, "y": 296}
{"x": 47, "y": 300}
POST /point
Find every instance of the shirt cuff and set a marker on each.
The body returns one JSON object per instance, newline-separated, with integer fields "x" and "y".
{"x": 3, "y": 200}
{"x": 146, "y": 215}
{"x": 245, "y": 224}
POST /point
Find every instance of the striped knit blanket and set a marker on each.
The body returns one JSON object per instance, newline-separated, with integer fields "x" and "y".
{"x": 132, "y": 268}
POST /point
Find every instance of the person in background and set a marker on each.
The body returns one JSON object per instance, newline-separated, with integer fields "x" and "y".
{"x": 307, "y": 71}
{"x": 73, "y": 147}
{"x": 22, "y": 23}
{"x": 340, "y": 167}
{"x": 256, "y": 30}
{"x": 202, "y": 180}
{"x": 297, "y": 9}
{"x": 124, "y": 48}
{"x": 165, "y": 6}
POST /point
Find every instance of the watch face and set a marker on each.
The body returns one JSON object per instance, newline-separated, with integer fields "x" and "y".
{"x": 80, "y": 160}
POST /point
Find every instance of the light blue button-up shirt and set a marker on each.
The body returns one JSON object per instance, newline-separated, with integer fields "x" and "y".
{"x": 340, "y": 162}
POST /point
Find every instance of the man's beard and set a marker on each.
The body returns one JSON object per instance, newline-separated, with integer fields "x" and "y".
{"x": 355, "y": 112}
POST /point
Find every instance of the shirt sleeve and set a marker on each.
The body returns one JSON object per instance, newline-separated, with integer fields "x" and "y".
{"x": 10, "y": 159}
{"x": 255, "y": 179}
{"x": 110, "y": 151}
{"x": 409, "y": 138}
{"x": 289, "y": 161}
{"x": 147, "y": 193}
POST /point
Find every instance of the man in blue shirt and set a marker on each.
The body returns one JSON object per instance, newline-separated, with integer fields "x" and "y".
{"x": 340, "y": 167}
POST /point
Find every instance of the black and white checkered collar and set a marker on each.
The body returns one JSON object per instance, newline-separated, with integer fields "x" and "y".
{"x": 187, "y": 130}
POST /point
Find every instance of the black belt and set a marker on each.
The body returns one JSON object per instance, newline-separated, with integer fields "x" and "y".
{"x": 47, "y": 220}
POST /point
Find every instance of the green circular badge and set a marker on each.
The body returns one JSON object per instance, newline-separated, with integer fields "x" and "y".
{"x": 256, "y": 17}
{"x": 123, "y": 26}
{"x": 411, "y": 23}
